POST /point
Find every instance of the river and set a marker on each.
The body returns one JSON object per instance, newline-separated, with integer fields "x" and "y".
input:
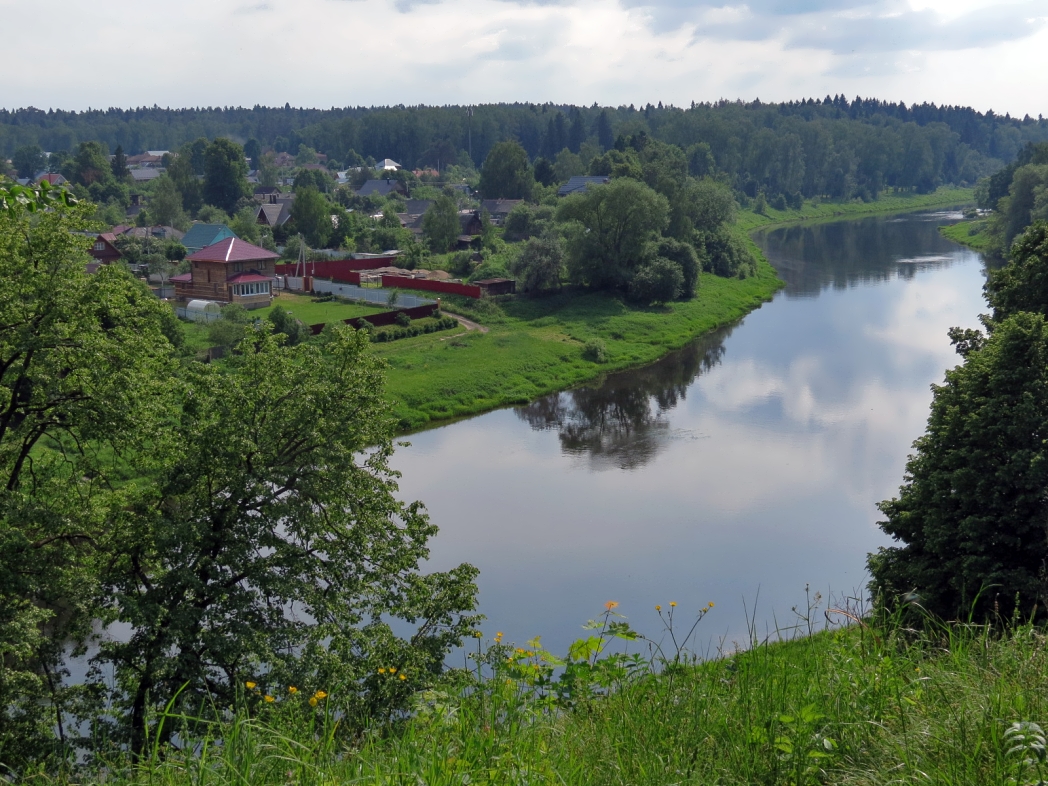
{"x": 738, "y": 470}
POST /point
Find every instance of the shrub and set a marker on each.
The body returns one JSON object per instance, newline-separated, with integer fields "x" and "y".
{"x": 595, "y": 351}
{"x": 403, "y": 319}
{"x": 659, "y": 281}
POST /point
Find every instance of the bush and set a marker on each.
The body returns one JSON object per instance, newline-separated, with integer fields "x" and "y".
{"x": 659, "y": 281}
{"x": 595, "y": 351}
{"x": 403, "y": 319}
{"x": 415, "y": 328}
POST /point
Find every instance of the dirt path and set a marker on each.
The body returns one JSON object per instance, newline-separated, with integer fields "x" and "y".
{"x": 468, "y": 324}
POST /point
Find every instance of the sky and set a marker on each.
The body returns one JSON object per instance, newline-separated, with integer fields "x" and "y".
{"x": 75, "y": 54}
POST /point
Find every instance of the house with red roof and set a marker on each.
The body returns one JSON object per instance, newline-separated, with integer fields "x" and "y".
{"x": 229, "y": 271}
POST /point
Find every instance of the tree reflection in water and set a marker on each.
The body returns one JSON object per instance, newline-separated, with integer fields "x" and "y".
{"x": 621, "y": 422}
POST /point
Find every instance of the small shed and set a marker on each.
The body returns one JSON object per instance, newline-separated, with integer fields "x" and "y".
{"x": 497, "y": 286}
{"x": 203, "y": 311}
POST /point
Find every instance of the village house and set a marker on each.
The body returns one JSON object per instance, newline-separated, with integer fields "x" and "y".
{"x": 275, "y": 213}
{"x": 103, "y": 250}
{"x": 381, "y": 188}
{"x": 581, "y": 182}
{"x": 230, "y": 271}
{"x": 498, "y": 209}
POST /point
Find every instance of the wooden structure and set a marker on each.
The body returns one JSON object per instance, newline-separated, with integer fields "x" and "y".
{"x": 230, "y": 271}
{"x": 104, "y": 250}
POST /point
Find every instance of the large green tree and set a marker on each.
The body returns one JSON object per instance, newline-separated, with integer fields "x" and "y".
{"x": 440, "y": 224}
{"x": 28, "y": 160}
{"x": 540, "y": 265}
{"x": 506, "y": 173}
{"x": 610, "y": 228}
{"x": 225, "y": 174}
{"x": 311, "y": 214}
{"x": 84, "y": 382}
{"x": 89, "y": 165}
{"x": 271, "y": 546}
{"x": 971, "y": 514}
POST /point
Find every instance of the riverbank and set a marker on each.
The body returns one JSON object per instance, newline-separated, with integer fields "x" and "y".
{"x": 859, "y": 705}
{"x": 536, "y": 346}
{"x": 969, "y": 233}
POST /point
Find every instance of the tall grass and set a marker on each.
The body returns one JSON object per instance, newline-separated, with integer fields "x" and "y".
{"x": 867, "y": 703}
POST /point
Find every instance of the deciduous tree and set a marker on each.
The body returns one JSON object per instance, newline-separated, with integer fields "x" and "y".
{"x": 506, "y": 173}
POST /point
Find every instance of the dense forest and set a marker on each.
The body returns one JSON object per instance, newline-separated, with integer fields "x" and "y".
{"x": 830, "y": 147}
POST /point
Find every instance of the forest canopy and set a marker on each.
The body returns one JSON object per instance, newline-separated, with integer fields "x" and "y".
{"x": 815, "y": 147}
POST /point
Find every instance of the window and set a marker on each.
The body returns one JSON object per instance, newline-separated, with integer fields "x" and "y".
{"x": 99, "y": 246}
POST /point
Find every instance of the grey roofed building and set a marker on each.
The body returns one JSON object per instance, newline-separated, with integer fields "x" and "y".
{"x": 413, "y": 214}
{"x": 274, "y": 214}
{"x": 381, "y": 187}
{"x": 499, "y": 208}
{"x": 388, "y": 163}
{"x": 417, "y": 206}
{"x": 144, "y": 174}
{"x": 581, "y": 183}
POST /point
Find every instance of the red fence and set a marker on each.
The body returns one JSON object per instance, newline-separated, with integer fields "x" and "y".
{"x": 338, "y": 269}
{"x": 386, "y": 317}
{"x": 447, "y": 287}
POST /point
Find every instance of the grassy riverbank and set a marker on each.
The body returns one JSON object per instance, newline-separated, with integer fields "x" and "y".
{"x": 969, "y": 233}
{"x": 536, "y": 346}
{"x": 861, "y": 705}
{"x": 838, "y": 211}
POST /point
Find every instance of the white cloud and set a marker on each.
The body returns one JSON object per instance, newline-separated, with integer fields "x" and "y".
{"x": 350, "y": 52}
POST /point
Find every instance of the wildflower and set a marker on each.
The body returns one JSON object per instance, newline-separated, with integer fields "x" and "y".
{"x": 312, "y": 701}
{"x": 403, "y": 677}
{"x": 250, "y": 685}
{"x": 320, "y": 694}
{"x": 477, "y": 634}
{"x": 498, "y": 637}
{"x": 269, "y": 699}
{"x": 658, "y": 608}
{"x": 611, "y": 604}
{"x": 392, "y": 670}
{"x": 292, "y": 690}
{"x": 673, "y": 604}
{"x": 381, "y": 670}
{"x": 710, "y": 604}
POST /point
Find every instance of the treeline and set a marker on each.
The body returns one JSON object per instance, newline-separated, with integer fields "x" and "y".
{"x": 829, "y": 147}
{"x": 1017, "y": 195}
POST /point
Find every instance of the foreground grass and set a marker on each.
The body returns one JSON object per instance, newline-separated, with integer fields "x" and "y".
{"x": 860, "y": 705}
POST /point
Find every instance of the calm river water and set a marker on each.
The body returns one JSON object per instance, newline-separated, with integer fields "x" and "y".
{"x": 737, "y": 470}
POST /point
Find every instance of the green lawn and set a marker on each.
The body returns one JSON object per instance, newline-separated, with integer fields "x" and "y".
{"x": 535, "y": 346}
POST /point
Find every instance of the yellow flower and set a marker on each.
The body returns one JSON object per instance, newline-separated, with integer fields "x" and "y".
{"x": 711, "y": 604}
{"x": 312, "y": 701}
{"x": 611, "y": 604}
{"x": 658, "y": 608}
{"x": 498, "y": 637}
{"x": 321, "y": 695}
{"x": 250, "y": 685}
{"x": 292, "y": 690}
{"x": 673, "y": 603}
{"x": 403, "y": 677}
{"x": 269, "y": 699}
{"x": 381, "y": 670}
{"x": 392, "y": 670}
{"x": 477, "y": 634}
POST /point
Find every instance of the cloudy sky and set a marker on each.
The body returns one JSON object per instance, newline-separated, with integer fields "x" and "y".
{"x": 79, "y": 53}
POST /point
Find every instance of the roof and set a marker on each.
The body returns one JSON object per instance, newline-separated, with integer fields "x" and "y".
{"x": 202, "y": 235}
{"x": 414, "y": 207}
{"x": 388, "y": 163}
{"x": 247, "y": 278}
{"x": 182, "y": 278}
{"x": 53, "y": 178}
{"x": 232, "y": 249}
{"x": 109, "y": 237}
{"x": 139, "y": 175}
{"x": 275, "y": 213}
{"x": 380, "y": 187}
{"x": 496, "y": 206}
{"x": 581, "y": 183}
